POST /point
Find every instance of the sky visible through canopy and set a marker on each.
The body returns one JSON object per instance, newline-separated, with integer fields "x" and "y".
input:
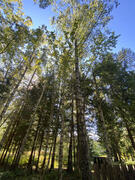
{"x": 123, "y": 22}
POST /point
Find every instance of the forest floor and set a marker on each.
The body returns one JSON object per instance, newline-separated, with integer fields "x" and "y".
{"x": 21, "y": 174}
{"x": 125, "y": 172}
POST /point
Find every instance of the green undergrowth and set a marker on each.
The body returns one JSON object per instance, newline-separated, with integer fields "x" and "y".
{"x": 130, "y": 162}
{"x": 21, "y": 174}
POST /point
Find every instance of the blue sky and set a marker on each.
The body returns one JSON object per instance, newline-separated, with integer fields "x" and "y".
{"x": 123, "y": 22}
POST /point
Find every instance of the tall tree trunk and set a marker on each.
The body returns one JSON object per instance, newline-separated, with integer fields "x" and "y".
{"x": 70, "y": 164}
{"x": 5, "y": 135}
{"x": 9, "y": 139}
{"x": 4, "y": 154}
{"x": 61, "y": 119}
{"x": 45, "y": 153}
{"x": 10, "y": 150}
{"x": 55, "y": 137}
{"x": 74, "y": 148}
{"x": 33, "y": 146}
{"x": 11, "y": 127}
{"x": 61, "y": 147}
{"x": 29, "y": 128}
{"x": 17, "y": 116}
{"x": 39, "y": 151}
{"x": 51, "y": 146}
{"x": 81, "y": 127}
{"x": 53, "y": 153}
{"x": 16, "y": 152}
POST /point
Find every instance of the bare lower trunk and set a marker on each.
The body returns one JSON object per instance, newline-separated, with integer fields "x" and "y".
{"x": 42, "y": 137}
{"x": 4, "y": 154}
{"x": 61, "y": 145}
{"x": 70, "y": 164}
{"x": 45, "y": 153}
{"x": 29, "y": 128}
{"x": 10, "y": 150}
{"x": 53, "y": 153}
{"x": 81, "y": 127}
{"x": 55, "y": 137}
{"x": 33, "y": 146}
{"x": 8, "y": 140}
{"x": 5, "y": 135}
{"x": 48, "y": 163}
{"x": 11, "y": 127}
{"x": 17, "y": 116}
{"x": 16, "y": 152}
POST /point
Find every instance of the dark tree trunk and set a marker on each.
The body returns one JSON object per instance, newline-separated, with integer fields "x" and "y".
{"x": 10, "y": 150}
{"x": 16, "y": 152}
{"x": 33, "y": 146}
{"x": 81, "y": 127}
{"x": 14, "y": 123}
{"x": 42, "y": 137}
{"x": 29, "y": 128}
{"x": 53, "y": 153}
{"x": 9, "y": 141}
{"x": 45, "y": 153}
{"x": 70, "y": 163}
{"x": 74, "y": 148}
{"x": 61, "y": 116}
{"x": 5, "y": 134}
{"x": 10, "y": 130}
{"x": 48, "y": 163}
{"x": 55, "y": 137}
